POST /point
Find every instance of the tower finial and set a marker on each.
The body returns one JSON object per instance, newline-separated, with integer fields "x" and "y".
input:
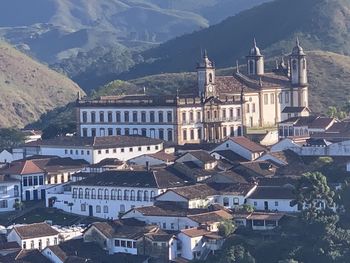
{"x": 297, "y": 41}
{"x": 205, "y": 53}
{"x": 254, "y": 42}
{"x": 237, "y": 66}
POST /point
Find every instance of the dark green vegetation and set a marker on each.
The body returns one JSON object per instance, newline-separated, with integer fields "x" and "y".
{"x": 312, "y": 236}
{"x": 320, "y": 24}
{"x": 29, "y": 89}
{"x": 92, "y": 41}
{"x": 10, "y": 138}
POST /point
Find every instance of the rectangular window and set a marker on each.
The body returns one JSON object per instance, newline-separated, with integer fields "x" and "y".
{"x": 253, "y": 107}
{"x": 184, "y": 135}
{"x": 25, "y": 181}
{"x": 30, "y": 181}
{"x": 272, "y": 98}
{"x": 266, "y": 99}
{"x": 191, "y": 116}
{"x": 3, "y": 204}
{"x": 151, "y": 116}
{"x": 231, "y": 114}
{"x": 93, "y": 117}
{"x": 169, "y": 116}
{"x": 248, "y": 108}
{"x": 84, "y": 117}
{"x": 118, "y": 131}
{"x": 280, "y": 98}
{"x": 110, "y": 118}
{"x": 85, "y": 132}
{"x": 134, "y": 116}
{"x": 170, "y": 135}
{"x": 238, "y": 113}
{"x": 102, "y": 116}
{"x": 276, "y": 203}
{"x": 184, "y": 117}
{"x": 123, "y": 243}
{"x": 199, "y": 133}
{"x": 83, "y": 207}
{"x": 127, "y": 131}
{"x": 126, "y": 116}
{"x": 117, "y": 117}
{"x": 224, "y": 113}
{"x": 93, "y": 132}
{"x": 117, "y": 243}
{"x": 160, "y": 117}
{"x": 161, "y": 134}
{"x": 35, "y": 180}
{"x": 131, "y": 150}
{"x": 287, "y": 97}
{"x": 192, "y": 134}
{"x": 110, "y": 131}
{"x": 41, "y": 180}
{"x": 143, "y": 116}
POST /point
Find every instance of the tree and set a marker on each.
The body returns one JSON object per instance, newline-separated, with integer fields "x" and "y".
{"x": 236, "y": 254}
{"x": 226, "y": 228}
{"x": 313, "y": 188}
{"x": 10, "y": 138}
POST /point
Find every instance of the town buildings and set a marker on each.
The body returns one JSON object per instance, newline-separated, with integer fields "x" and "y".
{"x": 218, "y": 107}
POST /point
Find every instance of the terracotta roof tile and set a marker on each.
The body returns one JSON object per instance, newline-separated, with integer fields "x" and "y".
{"x": 248, "y": 144}
{"x": 35, "y": 230}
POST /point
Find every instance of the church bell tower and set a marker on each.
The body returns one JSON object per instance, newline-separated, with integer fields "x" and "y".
{"x": 206, "y": 77}
{"x": 255, "y": 61}
{"x": 298, "y": 66}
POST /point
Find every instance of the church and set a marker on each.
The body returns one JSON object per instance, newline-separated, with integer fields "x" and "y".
{"x": 220, "y": 106}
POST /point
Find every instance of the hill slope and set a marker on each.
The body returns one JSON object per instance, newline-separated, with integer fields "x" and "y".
{"x": 320, "y": 24}
{"x": 28, "y": 88}
{"x": 329, "y": 75}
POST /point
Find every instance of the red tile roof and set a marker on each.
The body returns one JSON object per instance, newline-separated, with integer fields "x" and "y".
{"x": 248, "y": 144}
{"x": 23, "y": 168}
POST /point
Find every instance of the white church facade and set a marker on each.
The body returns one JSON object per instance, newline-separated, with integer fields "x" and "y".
{"x": 218, "y": 108}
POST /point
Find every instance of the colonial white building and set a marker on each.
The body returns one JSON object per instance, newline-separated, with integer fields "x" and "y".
{"x": 9, "y": 193}
{"x": 34, "y": 236}
{"x": 93, "y": 149}
{"x": 220, "y": 106}
{"x": 111, "y": 193}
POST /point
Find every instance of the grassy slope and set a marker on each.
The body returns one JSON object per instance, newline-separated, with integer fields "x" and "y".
{"x": 321, "y": 24}
{"x": 329, "y": 75}
{"x": 28, "y": 88}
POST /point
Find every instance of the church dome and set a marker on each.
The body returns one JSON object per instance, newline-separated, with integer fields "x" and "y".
{"x": 255, "y": 51}
{"x": 298, "y": 50}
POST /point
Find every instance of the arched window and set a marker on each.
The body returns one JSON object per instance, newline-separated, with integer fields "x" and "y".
{"x": 40, "y": 244}
{"x": 132, "y": 195}
{"x": 226, "y": 202}
{"x": 105, "y": 209}
{"x": 113, "y": 194}
{"x": 145, "y": 196}
{"x": 98, "y": 209}
{"x": 106, "y": 194}
{"x": 119, "y": 194}
{"x": 80, "y": 193}
{"x": 93, "y": 193}
{"x": 99, "y": 193}
{"x": 152, "y": 195}
{"x": 87, "y": 193}
{"x": 251, "y": 67}
{"x": 75, "y": 192}
{"x": 126, "y": 195}
{"x": 210, "y": 77}
{"x": 139, "y": 195}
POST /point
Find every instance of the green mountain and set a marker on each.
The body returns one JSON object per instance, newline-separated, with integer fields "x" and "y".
{"x": 329, "y": 75}
{"x": 320, "y": 24}
{"x": 85, "y": 39}
{"x": 28, "y": 89}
